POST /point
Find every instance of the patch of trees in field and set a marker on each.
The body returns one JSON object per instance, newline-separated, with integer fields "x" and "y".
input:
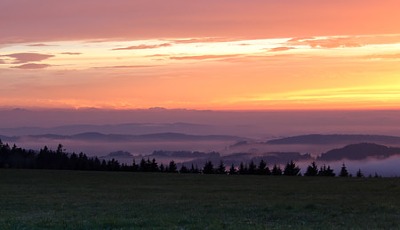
{"x": 45, "y": 158}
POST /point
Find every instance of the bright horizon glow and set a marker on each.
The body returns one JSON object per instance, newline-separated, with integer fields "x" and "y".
{"x": 230, "y": 55}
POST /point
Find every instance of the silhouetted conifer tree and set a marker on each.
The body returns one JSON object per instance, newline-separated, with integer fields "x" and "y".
{"x": 343, "y": 171}
{"x": 276, "y": 170}
{"x": 262, "y": 168}
{"x": 184, "y": 169}
{"x": 154, "y": 166}
{"x": 252, "y": 168}
{"x": 312, "y": 170}
{"x": 232, "y": 170}
{"x": 208, "y": 168}
{"x": 162, "y": 168}
{"x": 242, "y": 169}
{"x": 221, "y": 168}
{"x": 359, "y": 173}
{"x": 326, "y": 171}
{"x": 291, "y": 169}
{"x": 172, "y": 168}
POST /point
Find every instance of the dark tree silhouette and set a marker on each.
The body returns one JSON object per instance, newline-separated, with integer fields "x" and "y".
{"x": 312, "y": 170}
{"x": 359, "y": 173}
{"x": 262, "y": 168}
{"x": 291, "y": 169}
{"x": 194, "y": 169}
{"x": 162, "y": 168}
{"x": 172, "y": 168}
{"x": 184, "y": 169}
{"x": 221, "y": 168}
{"x": 343, "y": 171}
{"x": 252, "y": 168}
{"x": 326, "y": 171}
{"x": 208, "y": 168}
{"x": 232, "y": 170}
{"x": 276, "y": 170}
{"x": 242, "y": 169}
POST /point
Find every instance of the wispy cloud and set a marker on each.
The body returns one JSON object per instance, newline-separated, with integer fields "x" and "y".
{"x": 71, "y": 53}
{"x": 21, "y": 58}
{"x": 125, "y": 66}
{"x": 204, "y": 57}
{"x": 203, "y": 40}
{"x": 31, "y": 66}
{"x": 39, "y": 45}
{"x": 278, "y": 49}
{"x": 327, "y": 42}
{"x": 383, "y": 56}
{"x": 144, "y": 46}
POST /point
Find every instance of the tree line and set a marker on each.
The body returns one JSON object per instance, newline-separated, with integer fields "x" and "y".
{"x": 45, "y": 158}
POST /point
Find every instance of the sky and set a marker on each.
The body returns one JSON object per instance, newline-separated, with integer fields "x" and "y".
{"x": 218, "y": 55}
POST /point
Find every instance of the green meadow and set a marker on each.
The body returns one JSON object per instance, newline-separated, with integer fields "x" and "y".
{"x": 46, "y": 199}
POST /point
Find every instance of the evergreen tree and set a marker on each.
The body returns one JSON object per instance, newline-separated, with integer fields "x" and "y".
{"x": 232, "y": 170}
{"x": 343, "y": 171}
{"x": 291, "y": 169}
{"x": 262, "y": 168}
{"x": 221, "y": 168}
{"x": 276, "y": 170}
{"x": 172, "y": 168}
{"x": 326, "y": 171}
{"x": 162, "y": 168}
{"x": 194, "y": 169}
{"x": 312, "y": 170}
{"x": 359, "y": 173}
{"x": 184, "y": 169}
{"x": 242, "y": 169}
{"x": 208, "y": 168}
{"x": 252, "y": 168}
{"x": 154, "y": 166}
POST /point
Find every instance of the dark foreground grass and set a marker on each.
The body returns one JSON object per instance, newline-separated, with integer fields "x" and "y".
{"x": 39, "y": 199}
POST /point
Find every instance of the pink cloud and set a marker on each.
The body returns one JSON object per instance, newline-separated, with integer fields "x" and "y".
{"x": 32, "y": 66}
{"x": 139, "y": 47}
{"x": 2, "y": 61}
{"x": 28, "y": 57}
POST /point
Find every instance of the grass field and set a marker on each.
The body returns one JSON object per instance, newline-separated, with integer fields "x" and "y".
{"x": 44, "y": 199}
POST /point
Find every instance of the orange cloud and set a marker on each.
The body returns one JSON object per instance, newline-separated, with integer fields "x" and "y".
{"x": 277, "y": 49}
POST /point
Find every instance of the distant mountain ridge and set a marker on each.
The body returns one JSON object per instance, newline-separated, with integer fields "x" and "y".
{"x": 123, "y": 128}
{"x": 321, "y": 139}
{"x": 95, "y": 136}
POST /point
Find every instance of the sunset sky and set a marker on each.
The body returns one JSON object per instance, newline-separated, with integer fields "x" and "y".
{"x": 220, "y": 55}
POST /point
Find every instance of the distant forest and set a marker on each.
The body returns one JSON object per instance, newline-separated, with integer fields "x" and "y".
{"x": 45, "y": 158}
